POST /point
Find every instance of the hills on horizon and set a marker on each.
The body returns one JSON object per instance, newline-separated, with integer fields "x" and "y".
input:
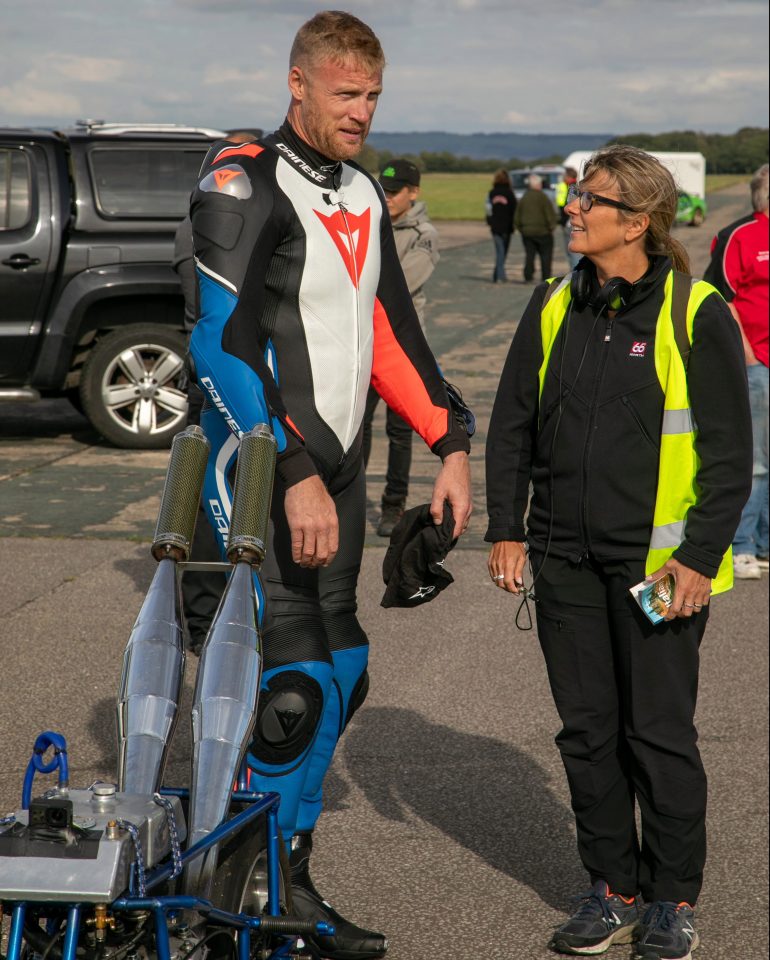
{"x": 488, "y": 146}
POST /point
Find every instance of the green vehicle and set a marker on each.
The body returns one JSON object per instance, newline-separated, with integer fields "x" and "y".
{"x": 691, "y": 209}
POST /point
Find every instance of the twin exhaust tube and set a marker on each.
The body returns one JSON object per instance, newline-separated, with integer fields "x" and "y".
{"x": 230, "y": 668}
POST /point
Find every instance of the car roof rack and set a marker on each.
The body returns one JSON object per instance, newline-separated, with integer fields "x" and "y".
{"x": 116, "y": 129}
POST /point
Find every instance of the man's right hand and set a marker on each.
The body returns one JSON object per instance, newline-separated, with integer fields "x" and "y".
{"x": 313, "y": 523}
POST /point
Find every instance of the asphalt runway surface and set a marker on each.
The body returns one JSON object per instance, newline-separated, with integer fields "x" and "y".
{"x": 447, "y": 820}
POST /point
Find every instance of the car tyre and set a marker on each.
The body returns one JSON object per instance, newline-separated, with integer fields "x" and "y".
{"x": 132, "y": 386}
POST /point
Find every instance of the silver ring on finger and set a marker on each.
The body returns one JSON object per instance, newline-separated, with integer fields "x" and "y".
{"x": 689, "y": 604}
{"x": 500, "y": 576}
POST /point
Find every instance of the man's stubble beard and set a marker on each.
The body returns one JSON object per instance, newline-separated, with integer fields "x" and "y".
{"x": 316, "y": 126}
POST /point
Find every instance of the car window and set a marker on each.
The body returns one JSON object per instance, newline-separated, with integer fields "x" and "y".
{"x": 519, "y": 179}
{"x": 154, "y": 183}
{"x": 15, "y": 190}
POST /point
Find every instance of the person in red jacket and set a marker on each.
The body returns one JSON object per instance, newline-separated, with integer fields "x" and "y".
{"x": 739, "y": 270}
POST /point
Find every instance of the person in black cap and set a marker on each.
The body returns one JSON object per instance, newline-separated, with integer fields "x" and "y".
{"x": 417, "y": 247}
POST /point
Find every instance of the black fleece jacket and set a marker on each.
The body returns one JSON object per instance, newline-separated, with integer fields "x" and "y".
{"x": 590, "y": 445}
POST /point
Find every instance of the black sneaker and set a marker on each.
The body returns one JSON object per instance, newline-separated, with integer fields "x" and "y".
{"x": 349, "y": 941}
{"x": 391, "y": 514}
{"x": 603, "y": 918}
{"x": 667, "y": 932}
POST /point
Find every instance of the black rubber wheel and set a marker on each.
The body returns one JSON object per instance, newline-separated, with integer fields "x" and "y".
{"x": 130, "y": 386}
{"x": 240, "y": 881}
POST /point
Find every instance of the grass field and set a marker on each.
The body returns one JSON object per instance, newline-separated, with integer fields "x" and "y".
{"x": 461, "y": 196}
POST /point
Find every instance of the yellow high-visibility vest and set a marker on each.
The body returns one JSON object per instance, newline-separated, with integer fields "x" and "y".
{"x": 678, "y": 463}
{"x": 562, "y": 189}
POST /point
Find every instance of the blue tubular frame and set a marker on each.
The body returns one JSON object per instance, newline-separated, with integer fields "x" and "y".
{"x": 38, "y": 765}
{"x": 259, "y": 803}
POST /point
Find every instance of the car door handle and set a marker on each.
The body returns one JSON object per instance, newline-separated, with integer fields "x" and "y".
{"x": 19, "y": 261}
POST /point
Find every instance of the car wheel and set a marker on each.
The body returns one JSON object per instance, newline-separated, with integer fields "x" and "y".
{"x": 697, "y": 218}
{"x": 132, "y": 386}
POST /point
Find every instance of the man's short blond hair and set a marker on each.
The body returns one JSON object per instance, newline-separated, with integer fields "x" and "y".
{"x": 339, "y": 37}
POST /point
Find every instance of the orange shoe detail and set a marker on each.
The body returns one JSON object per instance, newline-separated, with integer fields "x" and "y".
{"x": 628, "y": 900}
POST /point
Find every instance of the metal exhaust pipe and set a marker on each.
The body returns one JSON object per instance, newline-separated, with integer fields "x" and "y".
{"x": 230, "y": 670}
{"x": 153, "y": 662}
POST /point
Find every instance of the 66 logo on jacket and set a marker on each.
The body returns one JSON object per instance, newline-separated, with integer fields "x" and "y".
{"x": 638, "y": 349}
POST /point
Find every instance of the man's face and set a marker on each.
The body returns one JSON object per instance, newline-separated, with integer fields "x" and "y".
{"x": 335, "y": 105}
{"x": 401, "y": 201}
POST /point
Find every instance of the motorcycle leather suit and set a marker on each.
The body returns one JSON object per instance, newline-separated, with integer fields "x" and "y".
{"x": 302, "y": 305}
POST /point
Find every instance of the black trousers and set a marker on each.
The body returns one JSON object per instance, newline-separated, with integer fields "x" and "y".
{"x": 542, "y": 246}
{"x": 625, "y": 691}
{"x": 399, "y": 449}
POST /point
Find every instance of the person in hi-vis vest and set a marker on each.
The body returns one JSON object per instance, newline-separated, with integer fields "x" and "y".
{"x": 623, "y": 402}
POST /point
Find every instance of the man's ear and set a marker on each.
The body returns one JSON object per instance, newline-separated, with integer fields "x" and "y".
{"x": 297, "y": 83}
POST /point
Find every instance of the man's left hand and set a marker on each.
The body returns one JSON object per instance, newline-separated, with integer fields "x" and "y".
{"x": 453, "y": 483}
{"x": 692, "y": 590}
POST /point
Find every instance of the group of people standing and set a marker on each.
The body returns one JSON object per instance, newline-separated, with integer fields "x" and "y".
{"x": 534, "y": 216}
{"x": 622, "y": 407}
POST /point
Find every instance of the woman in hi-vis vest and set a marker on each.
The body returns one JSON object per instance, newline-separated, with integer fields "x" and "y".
{"x": 623, "y": 403}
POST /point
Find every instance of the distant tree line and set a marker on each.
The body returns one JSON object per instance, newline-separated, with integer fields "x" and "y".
{"x": 739, "y": 152}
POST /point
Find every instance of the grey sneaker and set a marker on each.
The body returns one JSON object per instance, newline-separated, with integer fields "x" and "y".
{"x": 762, "y": 562}
{"x": 667, "y": 932}
{"x": 745, "y": 567}
{"x": 603, "y": 918}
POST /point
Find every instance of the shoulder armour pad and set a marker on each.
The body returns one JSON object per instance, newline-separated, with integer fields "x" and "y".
{"x": 230, "y": 180}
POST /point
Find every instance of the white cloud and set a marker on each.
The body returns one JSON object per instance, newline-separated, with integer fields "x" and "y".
{"x": 24, "y": 99}
{"x": 88, "y": 69}
{"x": 216, "y": 73}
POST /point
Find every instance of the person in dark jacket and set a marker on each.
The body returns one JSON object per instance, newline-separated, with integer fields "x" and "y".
{"x": 501, "y": 207}
{"x": 608, "y": 373}
{"x": 535, "y": 219}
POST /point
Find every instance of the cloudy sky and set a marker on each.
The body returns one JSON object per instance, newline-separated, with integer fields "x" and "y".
{"x": 530, "y": 66}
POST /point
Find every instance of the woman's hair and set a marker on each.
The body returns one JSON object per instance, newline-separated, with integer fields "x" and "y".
{"x": 759, "y": 199}
{"x": 646, "y": 186}
{"x": 501, "y": 177}
{"x": 337, "y": 36}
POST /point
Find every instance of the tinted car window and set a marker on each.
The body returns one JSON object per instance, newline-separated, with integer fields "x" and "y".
{"x": 15, "y": 190}
{"x": 150, "y": 183}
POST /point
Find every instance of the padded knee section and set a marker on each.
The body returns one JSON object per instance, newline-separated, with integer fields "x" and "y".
{"x": 351, "y": 683}
{"x": 288, "y": 714}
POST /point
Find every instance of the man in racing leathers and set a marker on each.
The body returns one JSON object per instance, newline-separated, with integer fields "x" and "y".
{"x": 303, "y": 304}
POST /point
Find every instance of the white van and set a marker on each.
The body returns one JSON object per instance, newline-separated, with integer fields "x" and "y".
{"x": 689, "y": 169}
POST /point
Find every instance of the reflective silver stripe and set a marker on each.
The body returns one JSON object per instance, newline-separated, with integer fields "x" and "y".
{"x": 215, "y": 276}
{"x": 667, "y": 535}
{"x": 678, "y": 421}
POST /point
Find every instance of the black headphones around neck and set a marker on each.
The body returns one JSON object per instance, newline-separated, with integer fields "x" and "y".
{"x": 616, "y": 293}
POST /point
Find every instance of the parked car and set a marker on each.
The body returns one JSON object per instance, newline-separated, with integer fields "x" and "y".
{"x": 90, "y": 307}
{"x": 550, "y": 173}
{"x": 691, "y": 209}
